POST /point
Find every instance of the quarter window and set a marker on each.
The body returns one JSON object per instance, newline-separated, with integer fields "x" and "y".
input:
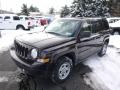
{"x": 96, "y": 26}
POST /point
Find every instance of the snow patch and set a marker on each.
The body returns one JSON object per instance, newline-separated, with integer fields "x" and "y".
{"x": 8, "y": 37}
{"x": 3, "y": 79}
{"x": 105, "y": 70}
{"x": 115, "y": 41}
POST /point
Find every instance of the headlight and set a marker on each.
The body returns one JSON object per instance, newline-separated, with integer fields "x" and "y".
{"x": 34, "y": 53}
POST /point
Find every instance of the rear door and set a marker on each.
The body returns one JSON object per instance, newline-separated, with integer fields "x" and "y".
{"x": 85, "y": 45}
{"x": 96, "y": 28}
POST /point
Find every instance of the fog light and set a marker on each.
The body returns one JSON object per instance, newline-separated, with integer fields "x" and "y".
{"x": 43, "y": 60}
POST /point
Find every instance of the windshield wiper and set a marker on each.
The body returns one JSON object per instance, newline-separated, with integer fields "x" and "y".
{"x": 53, "y": 33}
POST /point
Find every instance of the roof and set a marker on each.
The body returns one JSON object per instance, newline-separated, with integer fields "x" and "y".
{"x": 83, "y": 18}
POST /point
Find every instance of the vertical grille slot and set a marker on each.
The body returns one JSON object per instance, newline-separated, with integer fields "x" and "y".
{"x": 22, "y": 50}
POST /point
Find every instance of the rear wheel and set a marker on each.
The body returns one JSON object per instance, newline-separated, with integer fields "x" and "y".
{"x": 103, "y": 50}
{"x": 20, "y": 28}
{"x": 62, "y": 70}
{"x": 116, "y": 33}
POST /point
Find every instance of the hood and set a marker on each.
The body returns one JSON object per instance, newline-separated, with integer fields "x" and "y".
{"x": 43, "y": 40}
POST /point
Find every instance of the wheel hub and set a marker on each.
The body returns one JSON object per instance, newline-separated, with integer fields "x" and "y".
{"x": 64, "y": 70}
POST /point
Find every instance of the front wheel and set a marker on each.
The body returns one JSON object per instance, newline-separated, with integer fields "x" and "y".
{"x": 103, "y": 50}
{"x": 62, "y": 70}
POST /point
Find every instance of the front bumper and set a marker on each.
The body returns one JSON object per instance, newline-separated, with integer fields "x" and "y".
{"x": 36, "y": 68}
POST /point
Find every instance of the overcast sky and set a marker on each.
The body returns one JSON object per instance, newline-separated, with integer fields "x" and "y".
{"x": 43, "y": 5}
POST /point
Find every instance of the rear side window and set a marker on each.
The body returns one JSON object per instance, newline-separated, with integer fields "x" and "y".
{"x": 16, "y": 18}
{"x": 7, "y": 17}
{"x": 96, "y": 26}
{"x": 105, "y": 25}
{"x": 99, "y": 25}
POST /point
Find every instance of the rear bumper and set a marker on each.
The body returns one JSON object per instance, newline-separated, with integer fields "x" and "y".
{"x": 36, "y": 68}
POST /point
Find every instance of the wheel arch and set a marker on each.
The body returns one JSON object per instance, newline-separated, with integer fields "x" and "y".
{"x": 106, "y": 40}
{"x": 70, "y": 55}
{"x": 19, "y": 25}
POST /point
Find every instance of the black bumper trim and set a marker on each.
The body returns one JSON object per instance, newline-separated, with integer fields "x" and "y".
{"x": 34, "y": 68}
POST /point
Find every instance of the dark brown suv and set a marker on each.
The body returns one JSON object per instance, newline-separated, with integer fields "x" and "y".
{"x": 64, "y": 44}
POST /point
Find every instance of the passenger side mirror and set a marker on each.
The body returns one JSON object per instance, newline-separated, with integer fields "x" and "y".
{"x": 85, "y": 34}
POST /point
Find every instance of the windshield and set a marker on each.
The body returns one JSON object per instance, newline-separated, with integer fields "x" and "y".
{"x": 63, "y": 27}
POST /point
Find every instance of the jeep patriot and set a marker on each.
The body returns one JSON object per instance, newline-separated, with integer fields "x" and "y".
{"x": 65, "y": 43}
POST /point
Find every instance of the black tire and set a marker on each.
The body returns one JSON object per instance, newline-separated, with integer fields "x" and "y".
{"x": 103, "y": 50}
{"x": 27, "y": 82}
{"x": 57, "y": 76}
{"x": 20, "y": 27}
{"x": 116, "y": 33}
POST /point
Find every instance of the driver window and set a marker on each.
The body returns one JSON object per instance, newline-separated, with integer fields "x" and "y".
{"x": 7, "y": 18}
{"x": 85, "y": 30}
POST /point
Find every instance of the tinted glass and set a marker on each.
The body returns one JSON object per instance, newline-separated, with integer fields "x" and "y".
{"x": 16, "y": 18}
{"x": 85, "y": 28}
{"x": 96, "y": 26}
{"x": 7, "y": 17}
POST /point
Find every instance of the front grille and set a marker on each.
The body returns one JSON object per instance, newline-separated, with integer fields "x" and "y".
{"x": 22, "y": 50}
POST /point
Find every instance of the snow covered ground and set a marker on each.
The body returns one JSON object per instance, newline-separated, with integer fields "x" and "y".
{"x": 105, "y": 73}
{"x": 8, "y": 37}
{"x": 105, "y": 70}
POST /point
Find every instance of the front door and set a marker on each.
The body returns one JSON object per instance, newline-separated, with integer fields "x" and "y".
{"x": 85, "y": 46}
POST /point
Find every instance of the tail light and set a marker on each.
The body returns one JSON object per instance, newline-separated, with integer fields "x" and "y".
{"x": 28, "y": 23}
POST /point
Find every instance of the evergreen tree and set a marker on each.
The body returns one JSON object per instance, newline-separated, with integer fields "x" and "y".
{"x": 51, "y": 11}
{"x": 25, "y": 10}
{"x": 33, "y": 9}
{"x": 90, "y": 8}
{"x": 65, "y": 11}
